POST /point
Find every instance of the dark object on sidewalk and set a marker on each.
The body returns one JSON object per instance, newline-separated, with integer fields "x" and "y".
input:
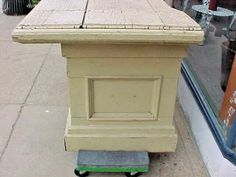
{"x": 16, "y": 7}
{"x": 212, "y": 5}
{"x": 228, "y": 53}
{"x": 35, "y": 2}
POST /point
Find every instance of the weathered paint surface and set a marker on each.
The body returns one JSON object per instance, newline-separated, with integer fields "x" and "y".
{"x": 121, "y": 101}
{"x": 123, "y": 60}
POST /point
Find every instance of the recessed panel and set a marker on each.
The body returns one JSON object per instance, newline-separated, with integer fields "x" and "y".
{"x": 123, "y": 98}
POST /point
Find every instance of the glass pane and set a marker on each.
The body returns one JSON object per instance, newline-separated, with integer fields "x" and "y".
{"x": 206, "y": 61}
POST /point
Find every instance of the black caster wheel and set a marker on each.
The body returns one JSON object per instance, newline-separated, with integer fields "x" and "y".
{"x": 132, "y": 174}
{"x": 81, "y": 174}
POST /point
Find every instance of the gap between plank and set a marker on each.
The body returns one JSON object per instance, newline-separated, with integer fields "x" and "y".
{"x": 85, "y": 12}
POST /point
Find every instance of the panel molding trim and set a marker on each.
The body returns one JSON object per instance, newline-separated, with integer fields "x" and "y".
{"x": 123, "y": 97}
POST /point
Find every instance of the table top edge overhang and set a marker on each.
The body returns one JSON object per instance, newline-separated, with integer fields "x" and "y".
{"x": 107, "y": 36}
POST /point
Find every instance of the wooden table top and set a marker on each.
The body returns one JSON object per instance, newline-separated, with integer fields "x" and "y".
{"x": 106, "y": 20}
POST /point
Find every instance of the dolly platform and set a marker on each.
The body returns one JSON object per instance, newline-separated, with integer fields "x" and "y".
{"x": 130, "y": 163}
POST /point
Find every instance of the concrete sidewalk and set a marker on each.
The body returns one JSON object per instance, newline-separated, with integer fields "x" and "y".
{"x": 33, "y": 111}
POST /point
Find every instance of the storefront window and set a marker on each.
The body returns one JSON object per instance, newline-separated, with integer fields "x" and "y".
{"x": 210, "y": 62}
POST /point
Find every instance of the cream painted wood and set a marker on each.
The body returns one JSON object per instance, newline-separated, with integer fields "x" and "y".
{"x": 123, "y": 63}
{"x": 129, "y": 138}
{"x": 151, "y": 143}
{"x": 119, "y": 129}
{"x": 122, "y": 94}
{"x": 121, "y": 14}
{"x": 79, "y": 108}
{"x": 55, "y": 14}
{"x": 122, "y": 97}
{"x": 172, "y": 18}
{"x": 128, "y": 14}
{"x": 69, "y": 34}
{"x": 135, "y": 51}
{"x": 128, "y": 21}
{"x": 133, "y": 66}
{"x": 144, "y": 14}
{"x": 165, "y": 122}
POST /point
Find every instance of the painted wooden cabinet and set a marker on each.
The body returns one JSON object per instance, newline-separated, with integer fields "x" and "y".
{"x": 123, "y": 61}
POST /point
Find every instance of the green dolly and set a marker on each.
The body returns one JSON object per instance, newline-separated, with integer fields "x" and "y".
{"x": 132, "y": 164}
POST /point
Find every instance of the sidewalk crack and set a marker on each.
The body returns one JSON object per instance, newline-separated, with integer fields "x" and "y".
{"x": 23, "y": 105}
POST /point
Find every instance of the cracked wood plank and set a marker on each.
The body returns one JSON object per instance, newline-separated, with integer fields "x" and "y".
{"x": 106, "y": 21}
{"x": 56, "y": 14}
{"x": 121, "y": 14}
{"x": 139, "y": 14}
